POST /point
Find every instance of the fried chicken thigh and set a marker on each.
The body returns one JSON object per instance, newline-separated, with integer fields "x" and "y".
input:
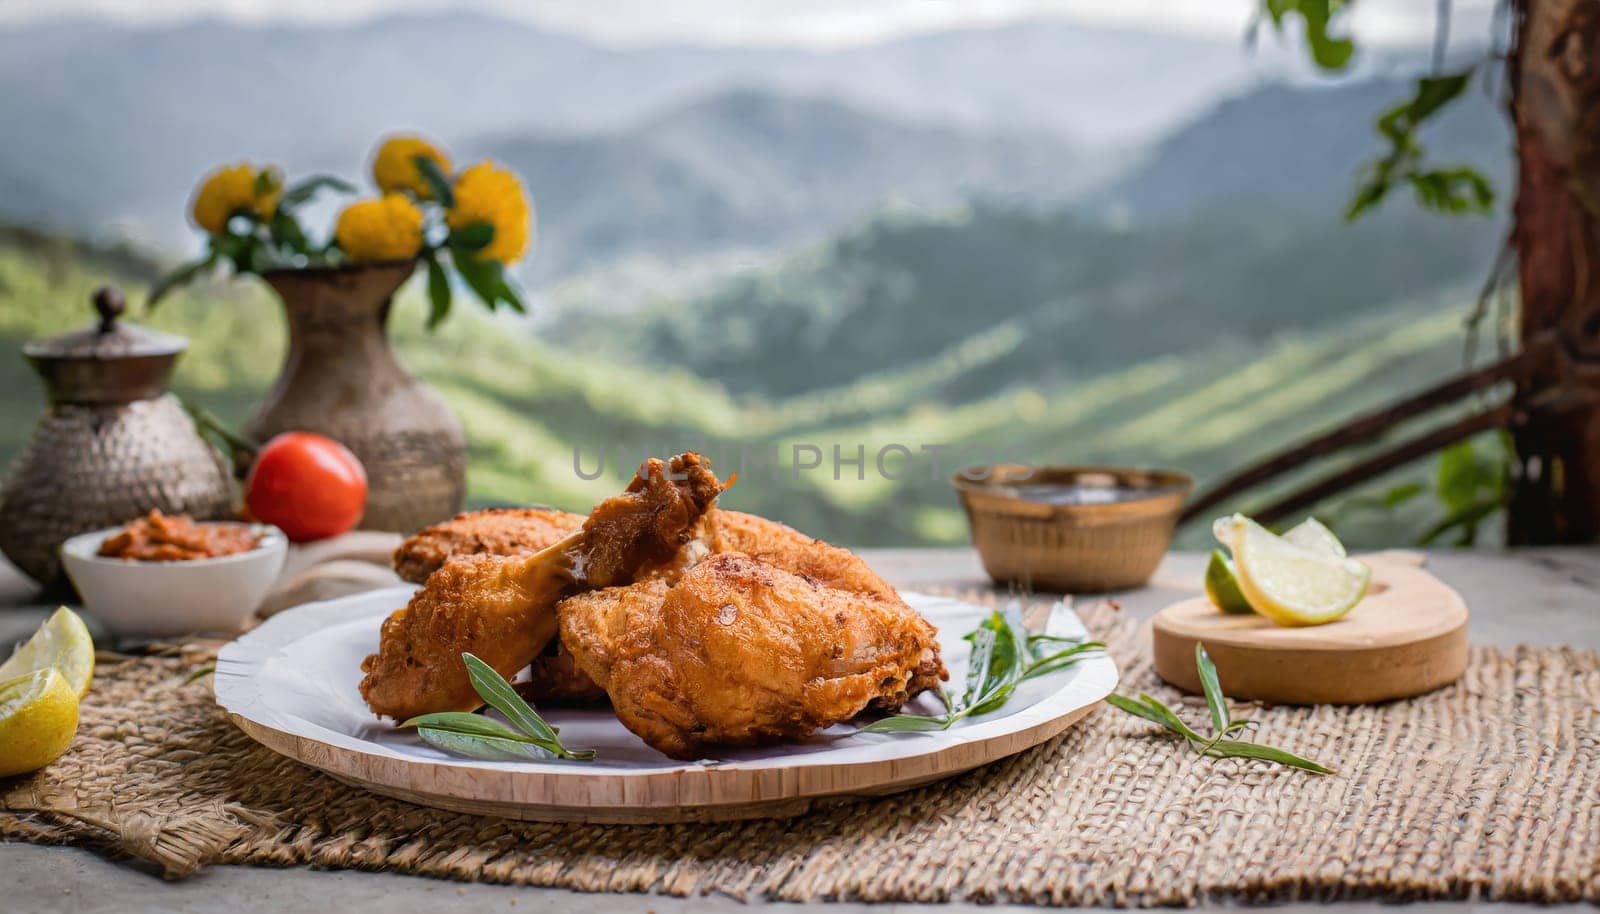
{"x": 502, "y": 608}
{"x": 493, "y": 531}
{"x": 741, "y": 652}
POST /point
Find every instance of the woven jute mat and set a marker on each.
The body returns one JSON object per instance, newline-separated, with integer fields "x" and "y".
{"x": 1488, "y": 789}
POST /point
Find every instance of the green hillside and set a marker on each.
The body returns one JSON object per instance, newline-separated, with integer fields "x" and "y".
{"x": 1077, "y": 298}
{"x": 527, "y": 403}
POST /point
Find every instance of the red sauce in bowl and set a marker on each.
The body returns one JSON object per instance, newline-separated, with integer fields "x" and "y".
{"x": 159, "y": 538}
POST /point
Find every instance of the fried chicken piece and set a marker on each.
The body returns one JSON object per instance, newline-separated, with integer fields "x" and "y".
{"x": 502, "y": 608}
{"x": 740, "y": 652}
{"x": 493, "y": 531}
{"x": 554, "y": 678}
{"x": 784, "y": 547}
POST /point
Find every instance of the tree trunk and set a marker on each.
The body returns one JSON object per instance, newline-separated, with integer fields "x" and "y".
{"x": 1555, "y": 105}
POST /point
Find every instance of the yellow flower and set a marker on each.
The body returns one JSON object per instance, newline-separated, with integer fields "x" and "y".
{"x": 388, "y": 228}
{"x": 234, "y": 188}
{"x": 394, "y": 168}
{"x": 485, "y": 193}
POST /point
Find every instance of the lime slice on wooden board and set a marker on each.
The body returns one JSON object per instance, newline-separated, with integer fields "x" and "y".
{"x": 1222, "y": 586}
{"x": 1289, "y": 583}
{"x": 1311, "y": 534}
{"x": 38, "y": 716}
{"x": 62, "y": 642}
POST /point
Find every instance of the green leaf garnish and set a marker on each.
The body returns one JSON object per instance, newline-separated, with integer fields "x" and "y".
{"x": 499, "y": 694}
{"x": 1217, "y": 745}
{"x": 1212, "y": 687}
{"x": 484, "y": 748}
{"x": 1003, "y": 656}
{"x": 480, "y": 737}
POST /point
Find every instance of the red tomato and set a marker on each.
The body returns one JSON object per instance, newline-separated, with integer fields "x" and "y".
{"x": 309, "y": 486}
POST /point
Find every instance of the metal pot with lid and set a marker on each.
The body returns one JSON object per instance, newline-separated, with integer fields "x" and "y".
{"x": 112, "y": 445}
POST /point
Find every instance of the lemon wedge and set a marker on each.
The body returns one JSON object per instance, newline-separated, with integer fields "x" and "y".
{"x": 62, "y": 642}
{"x": 1222, "y": 586}
{"x": 38, "y": 716}
{"x": 1311, "y": 534}
{"x": 1289, "y": 583}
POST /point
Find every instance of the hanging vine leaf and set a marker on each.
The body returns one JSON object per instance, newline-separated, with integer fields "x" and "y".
{"x": 1328, "y": 52}
{"x": 1457, "y": 190}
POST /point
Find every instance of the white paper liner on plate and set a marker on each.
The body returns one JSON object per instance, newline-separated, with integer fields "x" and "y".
{"x": 298, "y": 673}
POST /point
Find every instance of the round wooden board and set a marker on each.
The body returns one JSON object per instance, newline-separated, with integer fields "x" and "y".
{"x": 291, "y": 686}
{"x": 1407, "y": 637}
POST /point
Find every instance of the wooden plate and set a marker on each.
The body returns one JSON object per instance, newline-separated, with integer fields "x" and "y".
{"x": 1407, "y": 637}
{"x": 291, "y": 684}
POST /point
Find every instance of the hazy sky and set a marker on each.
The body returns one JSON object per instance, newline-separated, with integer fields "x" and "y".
{"x": 808, "y": 22}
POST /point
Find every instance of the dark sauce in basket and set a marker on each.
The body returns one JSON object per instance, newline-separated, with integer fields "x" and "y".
{"x": 1077, "y": 493}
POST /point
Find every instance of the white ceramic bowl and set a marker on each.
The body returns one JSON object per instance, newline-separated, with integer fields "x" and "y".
{"x": 158, "y": 599}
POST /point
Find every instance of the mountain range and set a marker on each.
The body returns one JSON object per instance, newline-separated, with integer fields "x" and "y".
{"x": 1299, "y": 147}
{"x": 107, "y": 126}
{"x": 751, "y": 169}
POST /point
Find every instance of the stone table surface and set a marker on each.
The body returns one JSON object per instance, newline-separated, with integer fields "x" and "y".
{"x": 1535, "y": 596}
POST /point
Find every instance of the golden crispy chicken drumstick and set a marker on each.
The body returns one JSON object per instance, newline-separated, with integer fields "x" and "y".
{"x": 492, "y": 531}
{"x": 741, "y": 652}
{"x": 502, "y": 608}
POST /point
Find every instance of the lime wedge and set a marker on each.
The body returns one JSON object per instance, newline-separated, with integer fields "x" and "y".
{"x": 1288, "y": 583}
{"x": 62, "y": 642}
{"x": 1311, "y": 534}
{"x": 1223, "y": 587}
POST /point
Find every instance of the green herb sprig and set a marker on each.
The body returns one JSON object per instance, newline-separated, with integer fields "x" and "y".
{"x": 1216, "y": 745}
{"x": 1003, "y": 656}
{"x": 485, "y": 738}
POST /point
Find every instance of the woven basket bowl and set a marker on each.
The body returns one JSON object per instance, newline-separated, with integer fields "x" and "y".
{"x": 1077, "y": 548}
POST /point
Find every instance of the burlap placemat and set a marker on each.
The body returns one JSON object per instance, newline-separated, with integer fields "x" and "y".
{"x": 1489, "y": 789}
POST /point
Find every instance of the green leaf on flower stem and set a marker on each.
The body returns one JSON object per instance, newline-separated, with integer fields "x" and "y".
{"x": 483, "y": 277}
{"x": 310, "y": 187}
{"x": 438, "y": 181}
{"x": 438, "y": 291}
{"x": 266, "y": 182}
{"x": 286, "y": 232}
{"x": 472, "y": 238}
{"x": 487, "y": 279}
{"x": 181, "y": 276}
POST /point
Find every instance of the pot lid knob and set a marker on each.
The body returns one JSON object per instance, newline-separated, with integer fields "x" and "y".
{"x": 108, "y": 300}
{"x": 108, "y": 361}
